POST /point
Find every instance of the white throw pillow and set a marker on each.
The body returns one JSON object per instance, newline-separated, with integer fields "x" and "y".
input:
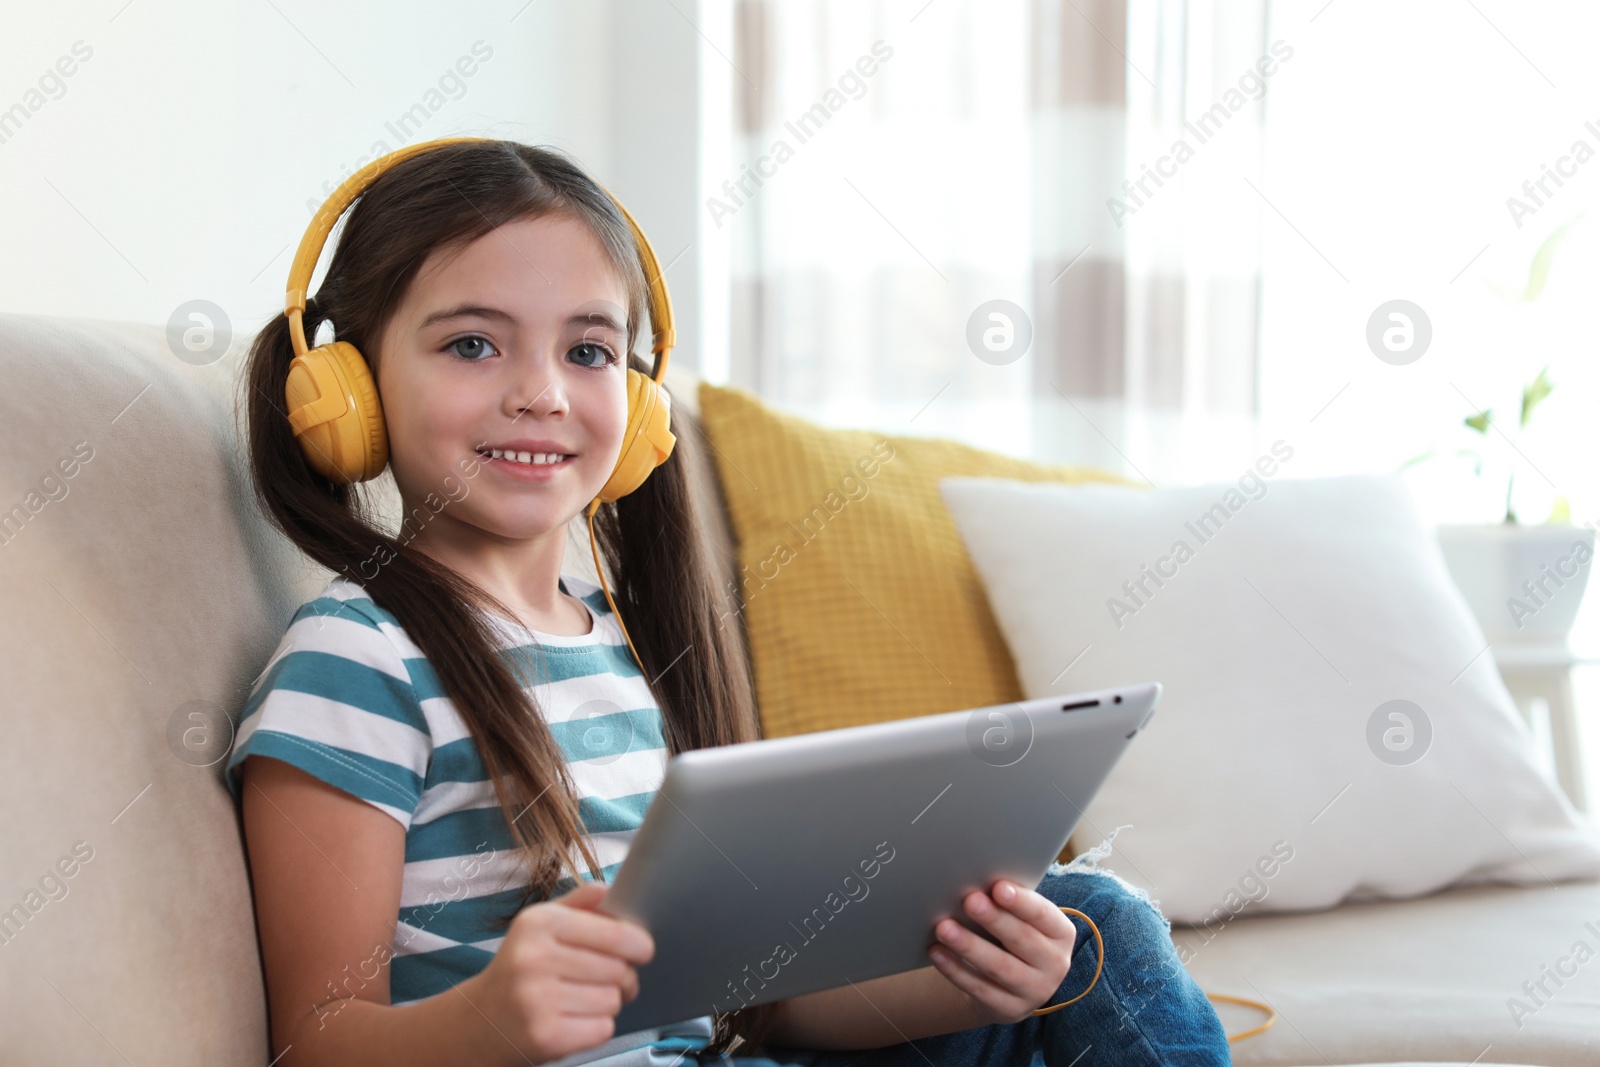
{"x": 1282, "y": 617}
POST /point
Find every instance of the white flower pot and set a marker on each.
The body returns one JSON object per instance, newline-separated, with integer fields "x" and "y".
{"x": 1524, "y": 583}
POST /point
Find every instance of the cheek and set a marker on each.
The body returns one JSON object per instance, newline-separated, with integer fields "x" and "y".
{"x": 612, "y": 419}
{"x": 420, "y": 417}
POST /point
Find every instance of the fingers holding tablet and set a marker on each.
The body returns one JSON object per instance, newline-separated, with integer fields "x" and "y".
{"x": 1006, "y": 981}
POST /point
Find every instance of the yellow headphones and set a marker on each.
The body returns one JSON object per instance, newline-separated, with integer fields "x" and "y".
{"x": 333, "y": 401}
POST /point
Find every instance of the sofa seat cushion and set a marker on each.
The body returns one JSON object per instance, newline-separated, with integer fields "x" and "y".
{"x": 1447, "y": 977}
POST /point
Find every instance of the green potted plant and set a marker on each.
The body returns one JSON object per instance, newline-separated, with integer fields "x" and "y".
{"x": 1524, "y": 582}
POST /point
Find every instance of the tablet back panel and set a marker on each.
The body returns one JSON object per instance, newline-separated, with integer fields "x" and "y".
{"x": 774, "y": 868}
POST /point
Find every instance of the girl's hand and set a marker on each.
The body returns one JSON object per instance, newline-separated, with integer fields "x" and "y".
{"x": 1004, "y": 984}
{"x": 562, "y": 973}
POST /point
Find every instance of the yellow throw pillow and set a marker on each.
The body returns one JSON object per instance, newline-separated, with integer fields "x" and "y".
{"x": 860, "y": 602}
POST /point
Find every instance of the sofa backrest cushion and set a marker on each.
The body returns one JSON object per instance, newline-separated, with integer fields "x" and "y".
{"x": 860, "y": 601}
{"x": 143, "y": 591}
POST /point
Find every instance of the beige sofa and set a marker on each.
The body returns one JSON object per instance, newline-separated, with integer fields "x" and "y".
{"x": 142, "y": 593}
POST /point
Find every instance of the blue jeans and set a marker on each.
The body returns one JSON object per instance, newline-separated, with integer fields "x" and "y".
{"x": 1144, "y": 1010}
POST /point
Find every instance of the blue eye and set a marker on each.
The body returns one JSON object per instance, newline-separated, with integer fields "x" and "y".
{"x": 469, "y": 357}
{"x": 608, "y": 357}
{"x": 482, "y": 348}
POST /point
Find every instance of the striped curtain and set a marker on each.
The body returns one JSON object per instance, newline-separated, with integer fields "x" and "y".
{"x": 1079, "y": 113}
{"x": 1198, "y": 76}
{"x": 898, "y": 166}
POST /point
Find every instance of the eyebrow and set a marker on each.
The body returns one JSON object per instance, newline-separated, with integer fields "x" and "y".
{"x": 582, "y": 318}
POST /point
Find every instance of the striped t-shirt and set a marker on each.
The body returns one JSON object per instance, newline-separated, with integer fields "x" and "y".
{"x": 348, "y": 698}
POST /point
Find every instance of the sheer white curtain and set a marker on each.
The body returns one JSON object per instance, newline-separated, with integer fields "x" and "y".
{"x": 1199, "y": 78}
{"x": 899, "y": 166}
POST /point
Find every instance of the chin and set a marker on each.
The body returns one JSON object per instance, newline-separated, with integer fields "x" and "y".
{"x": 523, "y": 528}
{"x": 527, "y": 521}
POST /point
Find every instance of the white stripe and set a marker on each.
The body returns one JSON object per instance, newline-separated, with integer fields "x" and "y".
{"x": 554, "y": 700}
{"x": 627, "y": 774}
{"x": 633, "y": 772}
{"x": 402, "y": 641}
{"x": 347, "y": 638}
{"x": 444, "y": 721}
{"x": 338, "y": 724}
{"x": 562, "y": 700}
{"x": 353, "y": 639}
{"x": 446, "y": 798}
{"x": 609, "y": 847}
{"x": 473, "y": 873}
{"x": 411, "y": 941}
{"x": 399, "y": 816}
{"x": 482, "y": 872}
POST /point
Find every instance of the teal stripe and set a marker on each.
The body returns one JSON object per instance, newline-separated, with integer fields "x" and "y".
{"x": 430, "y": 973}
{"x": 680, "y": 1044}
{"x": 596, "y": 598}
{"x": 459, "y": 833}
{"x": 597, "y": 601}
{"x": 354, "y": 772}
{"x": 363, "y": 607}
{"x": 621, "y": 813}
{"x": 533, "y": 665}
{"x": 457, "y": 761}
{"x": 337, "y": 678}
{"x": 424, "y": 680}
{"x": 472, "y": 919}
{"x": 620, "y": 660}
{"x": 461, "y": 762}
{"x": 613, "y": 734}
{"x": 540, "y": 664}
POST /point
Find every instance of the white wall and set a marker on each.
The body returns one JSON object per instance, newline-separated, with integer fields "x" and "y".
{"x": 184, "y": 155}
{"x": 1397, "y": 137}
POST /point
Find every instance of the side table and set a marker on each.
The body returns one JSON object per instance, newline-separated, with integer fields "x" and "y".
{"x": 1532, "y": 671}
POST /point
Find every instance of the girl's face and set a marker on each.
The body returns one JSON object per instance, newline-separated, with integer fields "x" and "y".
{"x": 515, "y": 342}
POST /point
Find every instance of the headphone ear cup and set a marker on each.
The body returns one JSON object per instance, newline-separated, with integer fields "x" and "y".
{"x": 648, "y": 440}
{"x": 335, "y": 413}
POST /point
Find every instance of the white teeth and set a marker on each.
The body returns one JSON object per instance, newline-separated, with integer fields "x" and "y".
{"x": 539, "y": 458}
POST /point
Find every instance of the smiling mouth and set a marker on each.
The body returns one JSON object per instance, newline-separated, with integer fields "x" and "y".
{"x": 531, "y": 459}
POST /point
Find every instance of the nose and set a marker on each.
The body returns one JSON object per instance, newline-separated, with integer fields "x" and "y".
{"x": 535, "y": 387}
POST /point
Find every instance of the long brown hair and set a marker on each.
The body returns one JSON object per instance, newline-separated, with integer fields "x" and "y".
{"x": 654, "y": 542}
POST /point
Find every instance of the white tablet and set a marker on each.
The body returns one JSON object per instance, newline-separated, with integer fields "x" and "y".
{"x": 773, "y": 868}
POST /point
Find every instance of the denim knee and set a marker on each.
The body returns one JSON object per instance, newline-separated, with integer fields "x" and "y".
{"x": 1096, "y": 892}
{"x": 1143, "y": 974}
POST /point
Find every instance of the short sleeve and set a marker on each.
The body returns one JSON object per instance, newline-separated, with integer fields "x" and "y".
{"x": 336, "y": 700}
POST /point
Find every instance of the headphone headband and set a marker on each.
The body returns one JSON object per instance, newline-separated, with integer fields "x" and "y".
{"x": 316, "y": 236}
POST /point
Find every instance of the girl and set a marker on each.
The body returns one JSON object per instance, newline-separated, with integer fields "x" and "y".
{"x": 443, "y": 763}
